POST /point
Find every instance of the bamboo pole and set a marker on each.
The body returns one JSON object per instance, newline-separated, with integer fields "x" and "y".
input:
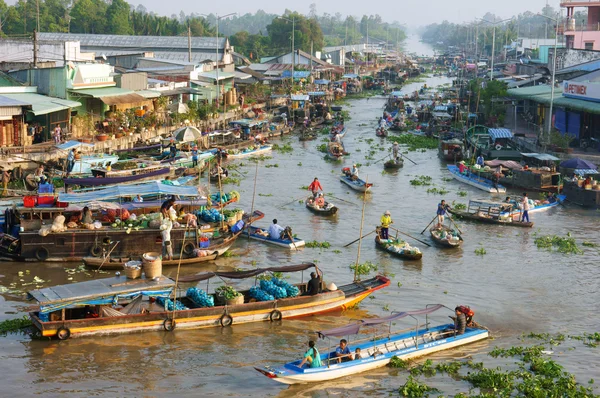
{"x": 362, "y": 221}
{"x": 252, "y": 206}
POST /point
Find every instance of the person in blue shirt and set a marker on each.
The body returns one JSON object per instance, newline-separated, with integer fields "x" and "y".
{"x": 311, "y": 356}
{"x": 275, "y": 230}
{"x": 480, "y": 160}
{"x": 70, "y": 161}
{"x": 172, "y": 149}
{"x": 343, "y": 352}
{"x": 195, "y": 156}
{"x": 441, "y": 212}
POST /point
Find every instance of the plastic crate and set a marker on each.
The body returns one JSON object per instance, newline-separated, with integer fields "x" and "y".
{"x": 29, "y": 201}
{"x": 204, "y": 244}
{"x": 46, "y": 188}
{"x": 45, "y": 201}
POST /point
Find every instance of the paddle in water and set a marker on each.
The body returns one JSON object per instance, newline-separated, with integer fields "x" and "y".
{"x": 410, "y": 236}
{"x": 354, "y": 241}
{"x": 434, "y": 218}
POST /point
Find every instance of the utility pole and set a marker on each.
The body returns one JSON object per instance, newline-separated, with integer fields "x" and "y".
{"x": 35, "y": 60}
{"x": 189, "y": 43}
{"x": 37, "y": 4}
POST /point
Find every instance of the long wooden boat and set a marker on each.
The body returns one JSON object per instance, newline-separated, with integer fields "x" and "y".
{"x": 381, "y": 132}
{"x": 61, "y": 312}
{"x": 250, "y": 152}
{"x": 341, "y": 133}
{"x": 540, "y": 208}
{"x": 446, "y": 237}
{"x": 117, "y": 263}
{"x": 451, "y": 149}
{"x": 335, "y": 151}
{"x": 256, "y": 233}
{"x": 393, "y": 164}
{"x": 102, "y": 177}
{"x": 489, "y": 212}
{"x": 399, "y": 248}
{"x": 473, "y": 180}
{"x": 357, "y": 185}
{"x": 378, "y": 349}
{"x": 328, "y": 210}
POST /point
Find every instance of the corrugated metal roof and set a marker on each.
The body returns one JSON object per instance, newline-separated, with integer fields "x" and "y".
{"x": 41, "y": 104}
{"x": 499, "y": 133}
{"x": 6, "y": 101}
{"x": 213, "y": 75}
{"x": 135, "y": 42}
{"x": 103, "y": 91}
{"x": 148, "y": 93}
{"x": 525, "y": 92}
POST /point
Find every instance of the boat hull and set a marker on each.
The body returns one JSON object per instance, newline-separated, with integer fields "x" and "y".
{"x": 287, "y": 243}
{"x": 322, "y": 212}
{"x": 358, "y": 185}
{"x": 445, "y": 242}
{"x": 405, "y": 256}
{"x": 346, "y": 296}
{"x": 259, "y": 151}
{"x": 486, "y": 220}
{"x": 478, "y": 182}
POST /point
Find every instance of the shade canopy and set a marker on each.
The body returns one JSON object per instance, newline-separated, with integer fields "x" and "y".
{"x": 246, "y": 274}
{"x": 577, "y": 163}
{"x": 499, "y": 133}
{"x": 354, "y": 328}
{"x": 187, "y": 134}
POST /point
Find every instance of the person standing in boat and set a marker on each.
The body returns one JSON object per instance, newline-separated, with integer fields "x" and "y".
{"x": 386, "y": 221}
{"x": 70, "y": 161}
{"x": 195, "y": 156}
{"x": 396, "y": 152}
{"x": 480, "y": 160}
{"x": 441, "y": 212}
{"x": 311, "y": 356}
{"x": 525, "y": 207}
{"x": 354, "y": 172}
{"x": 172, "y": 149}
{"x": 315, "y": 187}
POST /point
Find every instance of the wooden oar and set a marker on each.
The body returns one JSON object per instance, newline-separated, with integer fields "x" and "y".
{"x": 340, "y": 199}
{"x": 292, "y": 239}
{"x": 295, "y": 200}
{"x": 448, "y": 215}
{"x": 107, "y": 256}
{"x": 404, "y": 156}
{"x": 428, "y": 224}
{"x": 377, "y": 161}
{"x": 410, "y": 236}
{"x": 354, "y": 241}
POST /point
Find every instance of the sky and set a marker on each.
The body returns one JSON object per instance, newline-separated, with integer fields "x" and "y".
{"x": 410, "y": 12}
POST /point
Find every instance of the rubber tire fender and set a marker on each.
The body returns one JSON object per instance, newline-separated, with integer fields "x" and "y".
{"x": 275, "y": 315}
{"x": 96, "y": 251}
{"x": 63, "y": 333}
{"x": 188, "y": 248}
{"x": 226, "y": 320}
{"x": 42, "y": 254}
{"x": 498, "y": 147}
{"x": 169, "y": 324}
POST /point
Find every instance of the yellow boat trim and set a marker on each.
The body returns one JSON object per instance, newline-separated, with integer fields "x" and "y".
{"x": 49, "y": 333}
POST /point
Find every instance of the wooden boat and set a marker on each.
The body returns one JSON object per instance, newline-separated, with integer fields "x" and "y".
{"x": 540, "y": 207}
{"x": 399, "y": 248}
{"x": 117, "y": 263}
{"x": 357, "y": 185}
{"x": 490, "y": 212}
{"x": 328, "y": 210}
{"x": 335, "y": 151}
{"x": 381, "y": 132}
{"x": 105, "y": 177}
{"x": 451, "y": 149}
{"x": 393, "y": 164}
{"x": 378, "y": 348}
{"x": 475, "y": 181}
{"x": 438, "y": 236}
{"x": 60, "y": 311}
{"x": 337, "y": 132}
{"x": 308, "y": 134}
{"x": 255, "y": 233}
{"x": 214, "y": 177}
{"x": 250, "y": 151}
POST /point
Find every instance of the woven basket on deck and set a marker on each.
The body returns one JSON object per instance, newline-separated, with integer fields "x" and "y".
{"x": 152, "y": 264}
{"x": 132, "y": 273}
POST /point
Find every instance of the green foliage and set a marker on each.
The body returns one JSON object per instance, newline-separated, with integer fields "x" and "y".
{"x": 426, "y": 368}
{"x": 480, "y": 251}
{"x": 285, "y": 148}
{"x": 421, "y": 180}
{"x": 306, "y": 30}
{"x": 414, "y": 389}
{"x": 317, "y": 244}
{"x": 117, "y": 18}
{"x": 565, "y": 245}
{"x": 398, "y": 363}
{"x": 437, "y": 191}
{"x": 322, "y": 148}
{"x": 228, "y": 292}
{"x": 415, "y": 142}
{"x": 458, "y": 206}
{"x": 462, "y": 193}
{"x": 561, "y": 140}
{"x": 491, "y": 378}
{"x": 14, "y": 325}
{"x": 363, "y": 269}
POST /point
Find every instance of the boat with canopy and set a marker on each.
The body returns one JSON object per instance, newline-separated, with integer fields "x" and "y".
{"x": 378, "y": 347}
{"x": 491, "y": 212}
{"x": 121, "y": 305}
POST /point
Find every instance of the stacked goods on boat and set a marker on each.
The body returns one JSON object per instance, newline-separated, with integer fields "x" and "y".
{"x": 399, "y": 246}
{"x": 221, "y": 199}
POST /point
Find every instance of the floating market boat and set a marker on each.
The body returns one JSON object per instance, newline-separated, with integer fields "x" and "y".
{"x": 262, "y": 234}
{"x": 121, "y": 305}
{"x": 327, "y": 210}
{"x": 398, "y": 248}
{"x": 393, "y": 164}
{"x": 335, "y": 151}
{"x": 117, "y": 263}
{"x": 539, "y": 206}
{"x": 378, "y": 347}
{"x": 450, "y": 148}
{"x": 337, "y": 131}
{"x": 446, "y": 236}
{"x": 381, "y": 132}
{"x": 357, "y": 185}
{"x": 308, "y": 134}
{"x": 103, "y": 176}
{"x": 250, "y": 151}
{"x": 490, "y": 212}
{"x": 475, "y": 181}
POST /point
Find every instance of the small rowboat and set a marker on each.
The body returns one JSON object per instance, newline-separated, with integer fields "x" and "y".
{"x": 357, "y": 185}
{"x": 399, "y": 248}
{"x": 379, "y": 347}
{"x": 117, "y": 263}
{"x": 328, "y": 210}
{"x": 393, "y": 164}
{"x": 473, "y": 180}
{"x": 250, "y": 152}
{"x": 381, "y": 132}
{"x": 253, "y": 233}
{"x": 516, "y": 213}
{"x": 446, "y": 237}
{"x": 335, "y": 151}
{"x": 340, "y": 133}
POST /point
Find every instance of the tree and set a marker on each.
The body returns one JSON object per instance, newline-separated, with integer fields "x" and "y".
{"x": 307, "y": 31}
{"x": 88, "y": 16}
{"x": 117, "y": 18}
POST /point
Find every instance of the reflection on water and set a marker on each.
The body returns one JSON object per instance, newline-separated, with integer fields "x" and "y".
{"x": 515, "y": 288}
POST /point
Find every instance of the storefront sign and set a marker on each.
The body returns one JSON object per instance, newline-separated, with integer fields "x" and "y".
{"x": 582, "y": 90}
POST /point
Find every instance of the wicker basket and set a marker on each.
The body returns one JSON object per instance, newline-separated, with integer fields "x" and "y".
{"x": 152, "y": 263}
{"x": 132, "y": 273}
{"x": 238, "y": 300}
{"x": 231, "y": 221}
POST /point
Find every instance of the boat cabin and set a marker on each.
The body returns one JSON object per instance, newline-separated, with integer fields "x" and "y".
{"x": 490, "y": 209}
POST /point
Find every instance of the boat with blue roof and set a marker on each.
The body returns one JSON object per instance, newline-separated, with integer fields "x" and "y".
{"x": 474, "y": 180}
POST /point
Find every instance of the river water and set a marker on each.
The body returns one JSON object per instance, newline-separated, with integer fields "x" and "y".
{"x": 515, "y": 288}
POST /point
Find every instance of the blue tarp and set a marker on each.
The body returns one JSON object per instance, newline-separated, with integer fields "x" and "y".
{"x": 577, "y": 163}
{"x": 125, "y": 191}
{"x": 298, "y": 74}
{"x": 350, "y": 76}
{"x": 299, "y": 97}
{"x": 316, "y": 93}
{"x": 396, "y": 94}
{"x": 541, "y": 156}
{"x": 440, "y": 108}
{"x": 322, "y": 81}
{"x": 67, "y": 146}
{"x": 248, "y": 122}
{"x": 499, "y": 133}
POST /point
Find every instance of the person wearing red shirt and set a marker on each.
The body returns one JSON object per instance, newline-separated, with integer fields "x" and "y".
{"x": 315, "y": 187}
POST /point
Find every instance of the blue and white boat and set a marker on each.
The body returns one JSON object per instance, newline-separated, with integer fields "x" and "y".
{"x": 262, "y": 235}
{"x": 475, "y": 181}
{"x": 377, "y": 351}
{"x": 250, "y": 152}
{"x": 539, "y": 208}
{"x": 357, "y": 185}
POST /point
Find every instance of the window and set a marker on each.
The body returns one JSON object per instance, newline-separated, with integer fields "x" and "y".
{"x": 589, "y": 45}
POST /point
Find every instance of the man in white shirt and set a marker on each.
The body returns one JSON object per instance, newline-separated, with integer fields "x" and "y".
{"x": 275, "y": 230}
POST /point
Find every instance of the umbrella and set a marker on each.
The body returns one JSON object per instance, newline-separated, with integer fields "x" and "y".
{"x": 577, "y": 163}
{"x": 178, "y": 107}
{"x": 187, "y": 134}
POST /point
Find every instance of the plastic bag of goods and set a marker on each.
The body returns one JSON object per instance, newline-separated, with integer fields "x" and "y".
{"x": 291, "y": 290}
{"x": 97, "y": 224}
{"x": 168, "y": 304}
{"x": 273, "y": 289}
{"x": 260, "y": 295}
{"x": 58, "y": 225}
{"x": 200, "y": 297}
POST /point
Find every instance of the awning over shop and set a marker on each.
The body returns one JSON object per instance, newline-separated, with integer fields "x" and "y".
{"x": 42, "y": 104}
{"x": 350, "y": 76}
{"x": 111, "y": 95}
{"x": 299, "y": 97}
{"x": 298, "y": 74}
{"x": 321, "y": 81}
{"x": 148, "y": 94}
{"x": 179, "y": 91}
{"x": 540, "y": 156}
